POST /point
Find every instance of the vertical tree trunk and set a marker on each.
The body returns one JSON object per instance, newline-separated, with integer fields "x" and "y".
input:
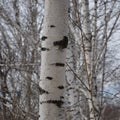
{"x": 88, "y": 57}
{"x": 71, "y": 92}
{"x": 54, "y": 44}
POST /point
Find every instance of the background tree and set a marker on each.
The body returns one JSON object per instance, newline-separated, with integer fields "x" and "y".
{"x": 19, "y": 40}
{"x": 91, "y": 22}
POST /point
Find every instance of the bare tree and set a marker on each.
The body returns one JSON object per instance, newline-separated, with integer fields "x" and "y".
{"x": 96, "y": 26}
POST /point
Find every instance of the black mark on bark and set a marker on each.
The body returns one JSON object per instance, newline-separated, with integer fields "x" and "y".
{"x": 58, "y": 103}
{"x": 61, "y": 87}
{"x": 62, "y": 44}
{"x": 52, "y": 26}
{"x": 49, "y": 78}
{"x": 44, "y": 49}
{"x": 42, "y": 91}
{"x": 61, "y": 97}
{"x": 44, "y": 38}
{"x": 59, "y": 64}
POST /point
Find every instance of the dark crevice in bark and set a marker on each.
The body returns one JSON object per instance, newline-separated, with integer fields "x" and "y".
{"x": 59, "y": 64}
{"x": 62, "y": 44}
{"x": 61, "y": 87}
{"x": 44, "y": 49}
{"x": 49, "y": 78}
{"x": 58, "y": 103}
{"x": 44, "y": 38}
{"x": 52, "y": 26}
{"x": 61, "y": 97}
{"x": 42, "y": 91}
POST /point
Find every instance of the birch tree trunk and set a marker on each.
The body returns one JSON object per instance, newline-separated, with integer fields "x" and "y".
{"x": 88, "y": 59}
{"x": 54, "y": 44}
{"x": 71, "y": 85}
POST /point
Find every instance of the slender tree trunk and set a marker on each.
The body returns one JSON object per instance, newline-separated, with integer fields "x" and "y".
{"x": 88, "y": 59}
{"x": 71, "y": 92}
{"x": 54, "y": 44}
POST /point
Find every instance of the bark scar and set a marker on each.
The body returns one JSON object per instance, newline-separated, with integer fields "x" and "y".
{"x": 44, "y": 38}
{"x": 62, "y": 44}
{"x": 42, "y": 91}
{"x": 59, "y": 64}
{"x": 58, "y": 103}
{"x": 52, "y": 26}
{"x": 44, "y": 49}
{"x": 61, "y": 87}
{"x": 49, "y": 78}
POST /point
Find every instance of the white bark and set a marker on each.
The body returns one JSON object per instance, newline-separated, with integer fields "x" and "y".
{"x": 88, "y": 59}
{"x": 71, "y": 90}
{"x": 54, "y": 43}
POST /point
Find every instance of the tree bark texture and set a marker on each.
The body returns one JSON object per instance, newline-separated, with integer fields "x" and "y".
{"x": 54, "y": 44}
{"x": 87, "y": 55}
